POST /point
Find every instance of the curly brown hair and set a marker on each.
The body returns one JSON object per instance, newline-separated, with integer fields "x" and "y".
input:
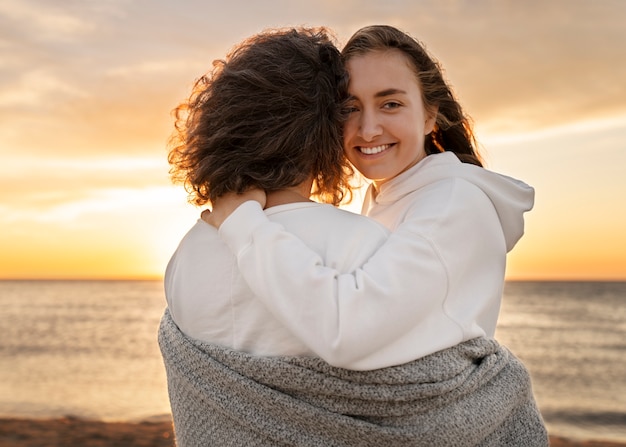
{"x": 268, "y": 116}
{"x": 453, "y": 129}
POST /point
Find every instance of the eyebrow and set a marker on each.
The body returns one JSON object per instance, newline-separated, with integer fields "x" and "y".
{"x": 388, "y": 92}
{"x": 382, "y": 93}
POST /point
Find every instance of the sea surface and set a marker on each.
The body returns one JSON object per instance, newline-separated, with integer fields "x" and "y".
{"x": 88, "y": 349}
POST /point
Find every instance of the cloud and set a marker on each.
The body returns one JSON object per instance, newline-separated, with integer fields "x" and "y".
{"x": 109, "y": 77}
{"x": 92, "y": 203}
{"x": 574, "y": 129}
{"x": 50, "y": 21}
{"x": 35, "y": 90}
{"x": 87, "y": 86}
{"x": 29, "y": 183}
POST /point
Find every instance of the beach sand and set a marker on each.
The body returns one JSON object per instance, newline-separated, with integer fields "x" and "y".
{"x": 79, "y": 432}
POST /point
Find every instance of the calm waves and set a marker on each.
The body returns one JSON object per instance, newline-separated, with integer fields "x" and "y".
{"x": 572, "y": 338}
{"x": 88, "y": 348}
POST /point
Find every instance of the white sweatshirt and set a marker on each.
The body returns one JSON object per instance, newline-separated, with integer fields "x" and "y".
{"x": 210, "y": 301}
{"x": 436, "y": 282}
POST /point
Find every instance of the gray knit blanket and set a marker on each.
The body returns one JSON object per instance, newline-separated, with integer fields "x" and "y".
{"x": 474, "y": 394}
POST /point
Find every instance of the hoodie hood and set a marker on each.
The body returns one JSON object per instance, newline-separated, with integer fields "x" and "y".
{"x": 510, "y": 197}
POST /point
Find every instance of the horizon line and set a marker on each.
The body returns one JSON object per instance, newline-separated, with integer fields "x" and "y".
{"x": 160, "y": 278}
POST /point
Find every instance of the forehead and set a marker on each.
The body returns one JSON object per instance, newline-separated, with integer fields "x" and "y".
{"x": 379, "y": 70}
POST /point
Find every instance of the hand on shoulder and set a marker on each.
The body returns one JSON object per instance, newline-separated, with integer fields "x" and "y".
{"x": 225, "y": 205}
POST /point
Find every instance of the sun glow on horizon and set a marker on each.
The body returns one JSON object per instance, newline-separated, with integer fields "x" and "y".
{"x": 85, "y": 103}
{"x": 128, "y": 226}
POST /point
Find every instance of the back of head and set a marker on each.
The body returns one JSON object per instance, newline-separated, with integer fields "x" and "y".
{"x": 268, "y": 116}
{"x": 453, "y": 131}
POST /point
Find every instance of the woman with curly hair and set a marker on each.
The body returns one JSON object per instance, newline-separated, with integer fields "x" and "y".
{"x": 269, "y": 117}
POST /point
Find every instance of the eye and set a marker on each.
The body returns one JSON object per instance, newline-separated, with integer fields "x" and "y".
{"x": 351, "y": 108}
{"x": 391, "y": 105}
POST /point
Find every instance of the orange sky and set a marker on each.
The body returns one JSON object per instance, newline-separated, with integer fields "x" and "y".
{"x": 86, "y": 90}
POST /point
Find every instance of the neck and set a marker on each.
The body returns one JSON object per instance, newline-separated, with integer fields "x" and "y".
{"x": 379, "y": 183}
{"x": 299, "y": 193}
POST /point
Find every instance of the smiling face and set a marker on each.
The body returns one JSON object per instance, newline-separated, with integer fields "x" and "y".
{"x": 384, "y": 133}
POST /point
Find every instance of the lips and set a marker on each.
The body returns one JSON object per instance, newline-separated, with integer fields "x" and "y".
{"x": 372, "y": 150}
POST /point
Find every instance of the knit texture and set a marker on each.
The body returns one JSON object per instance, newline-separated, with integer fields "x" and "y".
{"x": 474, "y": 394}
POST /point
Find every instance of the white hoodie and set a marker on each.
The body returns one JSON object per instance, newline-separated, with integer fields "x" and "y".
{"x": 436, "y": 282}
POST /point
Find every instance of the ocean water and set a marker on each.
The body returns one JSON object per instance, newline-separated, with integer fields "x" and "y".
{"x": 89, "y": 349}
{"x": 82, "y": 348}
{"x": 572, "y": 338}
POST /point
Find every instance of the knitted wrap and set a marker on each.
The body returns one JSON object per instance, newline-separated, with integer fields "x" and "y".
{"x": 474, "y": 394}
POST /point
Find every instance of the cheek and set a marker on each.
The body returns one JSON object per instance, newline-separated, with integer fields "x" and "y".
{"x": 349, "y": 129}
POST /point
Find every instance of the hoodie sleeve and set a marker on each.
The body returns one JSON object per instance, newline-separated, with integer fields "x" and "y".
{"x": 358, "y": 320}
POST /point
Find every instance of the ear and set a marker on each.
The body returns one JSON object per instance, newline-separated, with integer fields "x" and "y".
{"x": 431, "y": 119}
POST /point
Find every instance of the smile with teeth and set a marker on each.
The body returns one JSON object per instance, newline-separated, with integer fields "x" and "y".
{"x": 375, "y": 149}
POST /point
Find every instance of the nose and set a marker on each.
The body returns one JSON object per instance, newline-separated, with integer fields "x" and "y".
{"x": 369, "y": 126}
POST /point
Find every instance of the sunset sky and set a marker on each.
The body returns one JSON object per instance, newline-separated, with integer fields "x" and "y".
{"x": 87, "y": 86}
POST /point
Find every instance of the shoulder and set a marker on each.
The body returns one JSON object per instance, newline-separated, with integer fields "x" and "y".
{"x": 201, "y": 239}
{"x": 352, "y": 239}
{"x": 446, "y": 191}
{"x": 447, "y": 203}
{"x": 345, "y": 240}
{"x": 329, "y": 218}
{"x": 350, "y": 218}
{"x": 200, "y": 233}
